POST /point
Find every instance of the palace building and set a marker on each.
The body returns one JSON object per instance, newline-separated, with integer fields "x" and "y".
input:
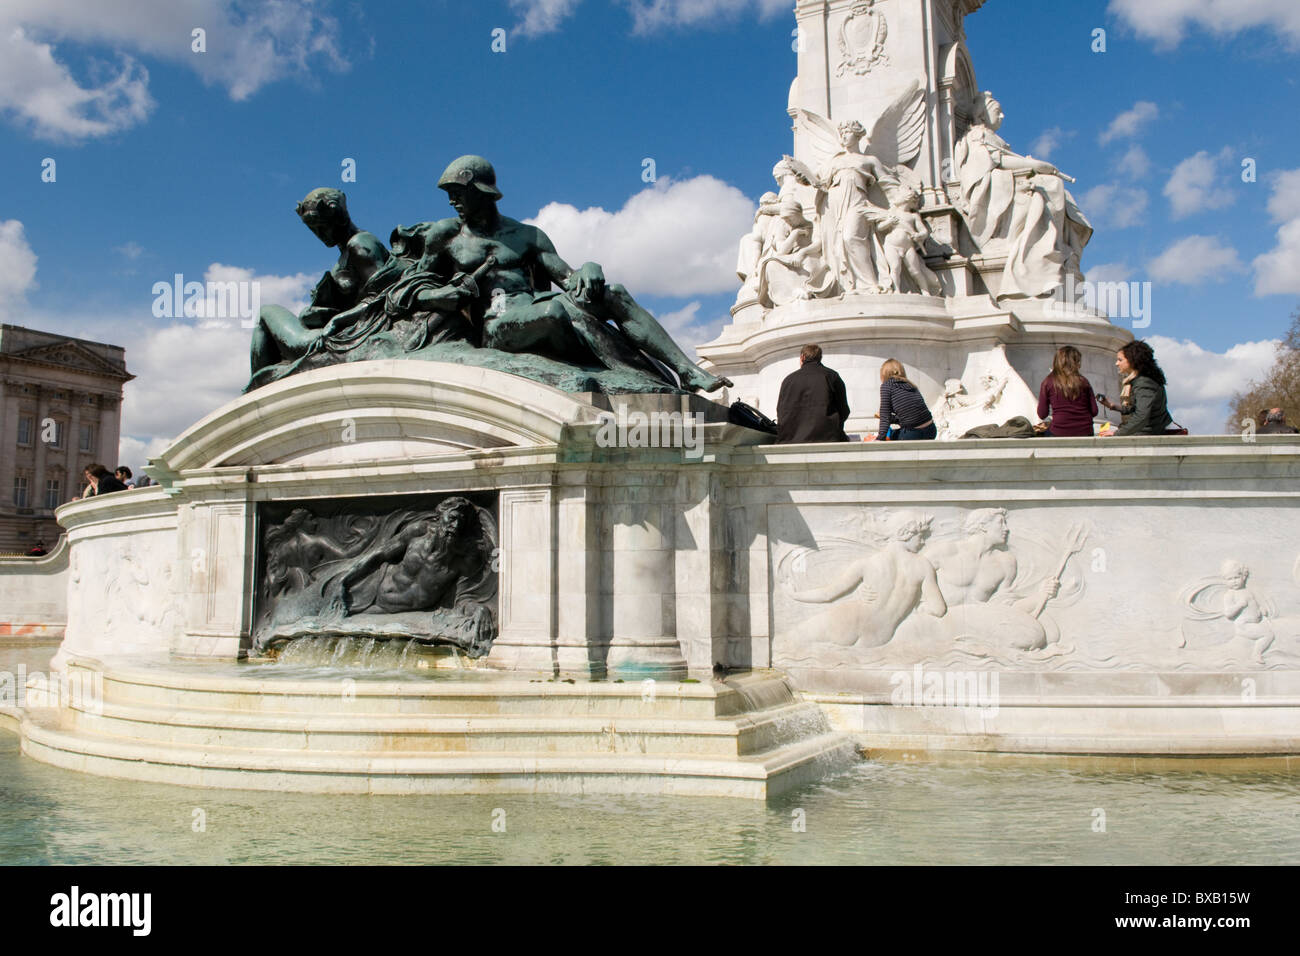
{"x": 60, "y": 410}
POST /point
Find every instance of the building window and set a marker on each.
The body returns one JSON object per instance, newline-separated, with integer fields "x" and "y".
{"x": 87, "y": 441}
{"x": 58, "y": 435}
{"x": 20, "y": 492}
{"x": 24, "y": 430}
{"x": 90, "y": 399}
{"x": 52, "y": 499}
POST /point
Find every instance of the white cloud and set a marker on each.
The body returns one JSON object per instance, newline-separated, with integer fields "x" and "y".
{"x": 1277, "y": 272}
{"x": 1201, "y": 383}
{"x": 1110, "y": 272}
{"x": 184, "y": 368}
{"x": 182, "y": 373}
{"x": 289, "y": 291}
{"x": 1047, "y": 143}
{"x": 1195, "y": 260}
{"x": 247, "y": 47}
{"x": 17, "y": 268}
{"x": 651, "y": 15}
{"x": 1284, "y": 202}
{"x": 687, "y": 329}
{"x": 135, "y": 454}
{"x": 1200, "y": 183}
{"x": 42, "y": 94}
{"x": 1130, "y": 122}
{"x": 672, "y": 239}
{"x": 1167, "y": 21}
{"x": 1115, "y": 206}
{"x": 1135, "y": 163}
{"x": 132, "y": 249}
{"x": 537, "y": 17}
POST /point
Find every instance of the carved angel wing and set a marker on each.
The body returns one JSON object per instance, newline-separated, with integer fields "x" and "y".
{"x": 818, "y": 136}
{"x": 896, "y": 136}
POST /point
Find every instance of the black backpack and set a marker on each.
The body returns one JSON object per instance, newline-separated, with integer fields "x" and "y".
{"x": 750, "y": 417}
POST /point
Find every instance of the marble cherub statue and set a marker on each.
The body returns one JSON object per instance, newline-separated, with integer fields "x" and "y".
{"x": 905, "y": 235}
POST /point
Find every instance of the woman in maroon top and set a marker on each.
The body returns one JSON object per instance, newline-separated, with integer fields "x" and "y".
{"x": 1067, "y": 397}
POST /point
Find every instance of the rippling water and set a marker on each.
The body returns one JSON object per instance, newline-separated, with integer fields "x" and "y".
{"x": 882, "y": 813}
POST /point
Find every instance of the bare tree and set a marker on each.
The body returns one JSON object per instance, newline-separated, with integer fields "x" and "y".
{"x": 1279, "y": 388}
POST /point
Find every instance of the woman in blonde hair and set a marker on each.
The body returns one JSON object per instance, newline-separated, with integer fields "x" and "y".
{"x": 901, "y": 402}
{"x": 1066, "y": 397}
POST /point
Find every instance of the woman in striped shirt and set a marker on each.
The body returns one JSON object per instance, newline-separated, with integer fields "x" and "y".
{"x": 901, "y": 402}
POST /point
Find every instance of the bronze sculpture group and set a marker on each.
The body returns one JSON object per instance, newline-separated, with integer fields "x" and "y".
{"x": 477, "y": 289}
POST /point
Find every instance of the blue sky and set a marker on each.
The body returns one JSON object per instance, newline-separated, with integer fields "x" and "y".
{"x": 173, "y": 161}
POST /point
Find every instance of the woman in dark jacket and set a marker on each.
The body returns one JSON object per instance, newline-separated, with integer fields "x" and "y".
{"x": 1067, "y": 397}
{"x": 1143, "y": 401}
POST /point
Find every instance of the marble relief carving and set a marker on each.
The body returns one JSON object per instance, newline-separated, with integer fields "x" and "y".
{"x": 1226, "y": 610}
{"x": 862, "y": 37}
{"x": 980, "y": 587}
{"x": 901, "y": 581}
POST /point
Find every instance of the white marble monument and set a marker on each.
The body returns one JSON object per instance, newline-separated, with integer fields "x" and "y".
{"x": 904, "y": 226}
{"x": 1078, "y": 597}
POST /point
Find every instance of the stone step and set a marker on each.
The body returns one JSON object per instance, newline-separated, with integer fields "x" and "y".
{"x": 1228, "y": 721}
{"x": 758, "y": 776}
{"x": 736, "y": 736}
{"x": 1140, "y": 746}
{"x": 439, "y": 696}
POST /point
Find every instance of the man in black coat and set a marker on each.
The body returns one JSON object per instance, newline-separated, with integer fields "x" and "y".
{"x": 813, "y": 405}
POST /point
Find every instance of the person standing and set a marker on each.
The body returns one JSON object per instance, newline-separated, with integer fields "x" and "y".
{"x": 901, "y": 402}
{"x": 123, "y": 474}
{"x": 813, "y": 404}
{"x": 1143, "y": 400}
{"x": 1067, "y": 397}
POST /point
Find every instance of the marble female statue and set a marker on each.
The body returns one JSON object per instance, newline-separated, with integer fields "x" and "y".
{"x": 768, "y": 227}
{"x": 792, "y": 268}
{"x": 852, "y": 173}
{"x": 754, "y": 243}
{"x": 848, "y": 216}
{"x": 1018, "y": 205}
